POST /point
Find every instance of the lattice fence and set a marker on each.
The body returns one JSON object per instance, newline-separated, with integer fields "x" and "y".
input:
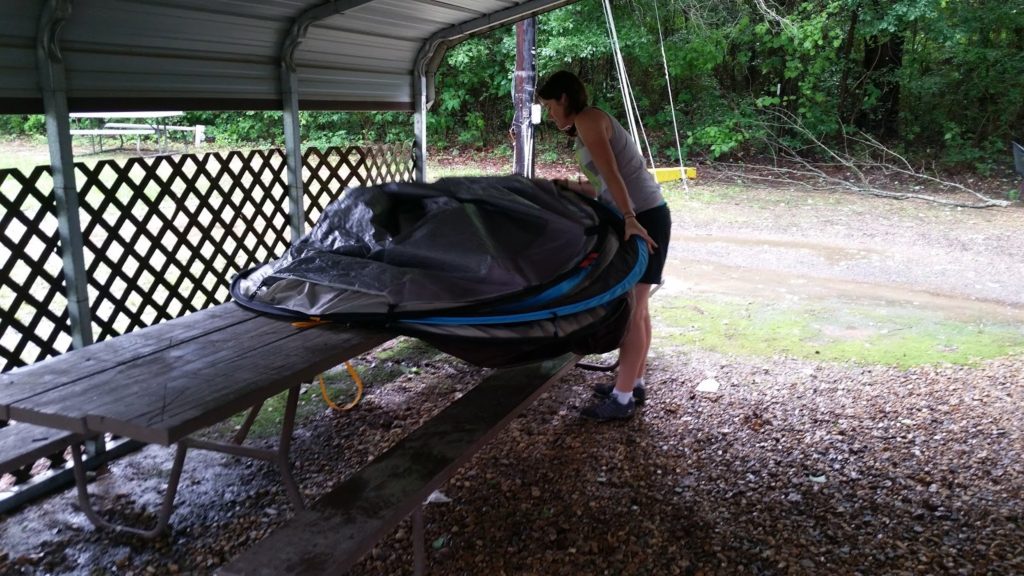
{"x": 34, "y": 320}
{"x": 328, "y": 171}
{"x": 162, "y": 236}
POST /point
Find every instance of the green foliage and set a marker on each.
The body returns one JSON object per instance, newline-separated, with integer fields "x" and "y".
{"x": 473, "y": 87}
{"x": 248, "y": 128}
{"x": 22, "y": 125}
{"x": 319, "y": 129}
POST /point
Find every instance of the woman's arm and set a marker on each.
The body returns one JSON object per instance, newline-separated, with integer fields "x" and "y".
{"x": 594, "y": 129}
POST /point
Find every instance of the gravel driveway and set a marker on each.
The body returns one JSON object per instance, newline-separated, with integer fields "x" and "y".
{"x": 788, "y": 467}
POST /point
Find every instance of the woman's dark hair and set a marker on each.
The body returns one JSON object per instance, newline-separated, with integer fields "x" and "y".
{"x": 565, "y": 82}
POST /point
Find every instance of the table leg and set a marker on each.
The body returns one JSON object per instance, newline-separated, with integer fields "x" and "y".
{"x": 166, "y": 508}
{"x": 279, "y": 457}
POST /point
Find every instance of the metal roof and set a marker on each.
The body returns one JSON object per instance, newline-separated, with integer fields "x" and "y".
{"x": 229, "y": 54}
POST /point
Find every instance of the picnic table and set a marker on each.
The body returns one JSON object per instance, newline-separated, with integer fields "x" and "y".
{"x": 164, "y": 383}
{"x": 100, "y": 125}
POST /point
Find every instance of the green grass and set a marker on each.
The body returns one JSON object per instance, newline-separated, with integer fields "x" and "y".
{"x": 840, "y": 333}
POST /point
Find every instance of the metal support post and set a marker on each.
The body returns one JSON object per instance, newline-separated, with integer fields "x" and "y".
{"x": 293, "y": 150}
{"x": 50, "y": 64}
{"x": 420, "y": 127}
{"x": 523, "y": 89}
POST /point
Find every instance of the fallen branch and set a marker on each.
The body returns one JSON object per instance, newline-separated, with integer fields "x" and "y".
{"x": 846, "y": 171}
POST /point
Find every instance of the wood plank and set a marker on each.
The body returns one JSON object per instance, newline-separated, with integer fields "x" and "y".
{"x": 53, "y": 373}
{"x": 22, "y": 444}
{"x": 211, "y": 369}
{"x": 337, "y": 529}
{"x": 234, "y": 385}
{"x": 156, "y": 379}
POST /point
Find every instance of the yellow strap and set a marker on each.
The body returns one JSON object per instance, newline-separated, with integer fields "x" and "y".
{"x": 359, "y": 390}
{"x": 312, "y": 322}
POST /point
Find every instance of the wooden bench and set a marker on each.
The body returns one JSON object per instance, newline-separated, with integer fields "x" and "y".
{"x": 23, "y": 444}
{"x": 163, "y": 383}
{"x": 340, "y": 527}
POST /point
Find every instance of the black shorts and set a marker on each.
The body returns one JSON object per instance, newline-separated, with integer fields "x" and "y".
{"x": 658, "y": 223}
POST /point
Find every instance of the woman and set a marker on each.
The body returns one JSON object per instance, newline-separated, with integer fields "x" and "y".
{"x": 616, "y": 174}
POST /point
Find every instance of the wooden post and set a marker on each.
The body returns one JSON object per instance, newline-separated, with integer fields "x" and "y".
{"x": 523, "y": 88}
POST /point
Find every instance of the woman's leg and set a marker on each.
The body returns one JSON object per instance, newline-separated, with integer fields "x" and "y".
{"x": 648, "y": 332}
{"x": 636, "y": 343}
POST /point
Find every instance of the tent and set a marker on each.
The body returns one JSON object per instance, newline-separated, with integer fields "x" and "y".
{"x": 494, "y": 270}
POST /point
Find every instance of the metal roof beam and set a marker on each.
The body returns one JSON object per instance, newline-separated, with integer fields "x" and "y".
{"x": 311, "y": 16}
{"x": 432, "y": 51}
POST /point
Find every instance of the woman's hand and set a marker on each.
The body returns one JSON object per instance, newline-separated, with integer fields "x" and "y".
{"x": 634, "y": 228}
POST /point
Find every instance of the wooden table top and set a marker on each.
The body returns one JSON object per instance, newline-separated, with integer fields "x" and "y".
{"x": 164, "y": 382}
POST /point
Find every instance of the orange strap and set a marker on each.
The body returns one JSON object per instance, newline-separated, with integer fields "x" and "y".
{"x": 359, "y": 390}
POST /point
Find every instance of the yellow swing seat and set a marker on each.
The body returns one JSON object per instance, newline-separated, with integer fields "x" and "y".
{"x": 670, "y": 174}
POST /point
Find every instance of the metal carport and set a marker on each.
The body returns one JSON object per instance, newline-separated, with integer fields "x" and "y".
{"x": 60, "y": 56}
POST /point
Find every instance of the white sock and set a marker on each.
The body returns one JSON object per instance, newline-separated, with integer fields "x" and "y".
{"x": 622, "y": 397}
{"x": 639, "y": 383}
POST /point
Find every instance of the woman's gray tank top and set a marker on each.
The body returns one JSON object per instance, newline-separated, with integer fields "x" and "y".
{"x": 644, "y": 190}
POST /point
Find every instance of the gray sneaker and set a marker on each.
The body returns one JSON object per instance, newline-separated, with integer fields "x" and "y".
{"x": 609, "y": 409}
{"x": 604, "y": 390}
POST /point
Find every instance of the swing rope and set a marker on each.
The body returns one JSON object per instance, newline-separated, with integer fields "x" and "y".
{"x": 627, "y": 89}
{"x": 671, "y": 101}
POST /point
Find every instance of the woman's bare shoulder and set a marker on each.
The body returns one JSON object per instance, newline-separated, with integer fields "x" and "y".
{"x": 592, "y": 119}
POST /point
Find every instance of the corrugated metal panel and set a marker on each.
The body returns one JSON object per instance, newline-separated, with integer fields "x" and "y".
{"x": 209, "y": 54}
{"x": 18, "y": 21}
{"x": 138, "y": 50}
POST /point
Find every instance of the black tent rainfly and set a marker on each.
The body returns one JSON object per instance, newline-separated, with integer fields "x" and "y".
{"x": 494, "y": 270}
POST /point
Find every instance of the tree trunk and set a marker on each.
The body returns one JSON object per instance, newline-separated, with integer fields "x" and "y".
{"x": 846, "y": 109}
{"x": 882, "y": 62}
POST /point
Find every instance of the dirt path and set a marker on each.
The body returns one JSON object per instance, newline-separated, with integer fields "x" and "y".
{"x": 782, "y": 269}
{"x": 817, "y": 249}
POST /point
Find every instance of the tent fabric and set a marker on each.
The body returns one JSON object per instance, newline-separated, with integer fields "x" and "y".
{"x": 495, "y": 270}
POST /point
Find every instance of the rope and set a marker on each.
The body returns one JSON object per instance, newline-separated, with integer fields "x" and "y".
{"x": 312, "y": 322}
{"x": 627, "y": 89}
{"x": 671, "y": 101}
{"x": 359, "y": 390}
{"x": 624, "y": 83}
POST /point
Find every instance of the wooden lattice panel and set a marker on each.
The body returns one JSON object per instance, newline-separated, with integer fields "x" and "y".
{"x": 328, "y": 172}
{"x": 165, "y": 235}
{"x": 34, "y": 320}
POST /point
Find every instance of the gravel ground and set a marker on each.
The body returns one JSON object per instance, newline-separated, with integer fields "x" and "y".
{"x": 790, "y": 467}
